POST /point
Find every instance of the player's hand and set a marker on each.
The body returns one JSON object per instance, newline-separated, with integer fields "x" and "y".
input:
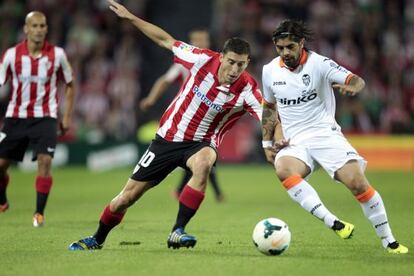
{"x": 270, "y": 154}
{"x": 280, "y": 144}
{"x": 345, "y": 89}
{"x": 64, "y": 126}
{"x": 145, "y": 104}
{"x": 119, "y": 9}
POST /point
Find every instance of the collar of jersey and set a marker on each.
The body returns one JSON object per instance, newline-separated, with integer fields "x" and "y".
{"x": 302, "y": 60}
{"x": 43, "y": 51}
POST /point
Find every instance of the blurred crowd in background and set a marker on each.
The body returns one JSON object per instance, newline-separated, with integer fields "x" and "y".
{"x": 115, "y": 65}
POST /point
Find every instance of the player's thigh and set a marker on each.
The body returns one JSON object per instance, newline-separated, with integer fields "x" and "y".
{"x": 202, "y": 160}
{"x": 293, "y": 160}
{"x": 159, "y": 160}
{"x": 13, "y": 139}
{"x": 333, "y": 152}
{"x": 43, "y": 136}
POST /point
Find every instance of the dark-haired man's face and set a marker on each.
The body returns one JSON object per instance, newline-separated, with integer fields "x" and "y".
{"x": 232, "y": 66}
{"x": 289, "y": 51}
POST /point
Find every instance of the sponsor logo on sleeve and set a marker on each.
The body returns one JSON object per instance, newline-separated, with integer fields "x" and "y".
{"x": 186, "y": 47}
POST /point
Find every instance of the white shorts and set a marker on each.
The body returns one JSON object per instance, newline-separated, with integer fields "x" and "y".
{"x": 331, "y": 152}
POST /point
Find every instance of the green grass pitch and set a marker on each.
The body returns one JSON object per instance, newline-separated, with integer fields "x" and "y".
{"x": 138, "y": 245}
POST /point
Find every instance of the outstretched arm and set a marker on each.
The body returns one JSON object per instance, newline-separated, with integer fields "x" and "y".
{"x": 153, "y": 32}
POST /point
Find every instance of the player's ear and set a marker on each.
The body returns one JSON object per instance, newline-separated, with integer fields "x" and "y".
{"x": 221, "y": 57}
{"x": 302, "y": 43}
{"x": 25, "y": 29}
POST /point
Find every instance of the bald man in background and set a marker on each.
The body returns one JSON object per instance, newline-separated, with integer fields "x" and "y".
{"x": 34, "y": 67}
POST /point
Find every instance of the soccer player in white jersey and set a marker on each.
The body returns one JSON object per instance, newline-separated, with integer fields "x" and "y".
{"x": 34, "y": 68}
{"x": 215, "y": 95}
{"x": 199, "y": 38}
{"x": 298, "y": 89}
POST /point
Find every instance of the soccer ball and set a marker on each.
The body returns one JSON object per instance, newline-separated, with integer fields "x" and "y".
{"x": 271, "y": 236}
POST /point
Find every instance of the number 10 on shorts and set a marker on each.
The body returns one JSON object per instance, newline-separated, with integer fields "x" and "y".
{"x": 145, "y": 160}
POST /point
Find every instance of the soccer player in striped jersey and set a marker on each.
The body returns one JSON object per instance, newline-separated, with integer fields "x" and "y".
{"x": 34, "y": 68}
{"x": 199, "y": 38}
{"x": 298, "y": 89}
{"x": 215, "y": 95}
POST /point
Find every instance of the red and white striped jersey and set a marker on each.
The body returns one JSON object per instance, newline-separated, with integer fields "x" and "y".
{"x": 34, "y": 80}
{"x": 204, "y": 110}
{"x": 176, "y": 72}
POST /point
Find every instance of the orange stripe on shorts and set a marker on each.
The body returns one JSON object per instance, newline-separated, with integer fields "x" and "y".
{"x": 367, "y": 195}
{"x": 292, "y": 181}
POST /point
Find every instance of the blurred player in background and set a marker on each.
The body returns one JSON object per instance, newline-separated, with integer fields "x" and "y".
{"x": 211, "y": 100}
{"x": 298, "y": 89}
{"x": 199, "y": 38}
{"x": 34, "y": 68}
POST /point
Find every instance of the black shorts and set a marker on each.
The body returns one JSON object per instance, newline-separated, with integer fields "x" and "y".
{"x": 162, "y": 157}
{"x": 17, "y": 134}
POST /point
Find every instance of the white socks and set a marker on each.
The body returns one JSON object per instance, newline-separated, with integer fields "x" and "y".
{"x": 373, "y": 207}
{"x": 304, "y": 194}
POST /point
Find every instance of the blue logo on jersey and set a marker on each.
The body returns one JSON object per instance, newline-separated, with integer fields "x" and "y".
{"x": 206, "y": 101}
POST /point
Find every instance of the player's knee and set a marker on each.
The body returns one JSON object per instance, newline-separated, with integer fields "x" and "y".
{"x": 202, "y": 170}
{"x": 283, "y": 172}
{"x": 44, "y": 162}
{"x": 358, "y": 184}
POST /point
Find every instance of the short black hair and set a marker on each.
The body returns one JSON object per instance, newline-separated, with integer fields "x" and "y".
{"x": 236, "y": 45}
{"x": 295, "y": 30}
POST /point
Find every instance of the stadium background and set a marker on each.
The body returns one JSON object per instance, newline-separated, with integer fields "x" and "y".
{"x": 115, "y": 65}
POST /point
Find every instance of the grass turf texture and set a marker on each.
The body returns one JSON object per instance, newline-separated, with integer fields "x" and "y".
{"x": 138, "y": 245}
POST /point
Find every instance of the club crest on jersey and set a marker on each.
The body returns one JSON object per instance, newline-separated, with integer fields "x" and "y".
{"x": 306, "y": 79}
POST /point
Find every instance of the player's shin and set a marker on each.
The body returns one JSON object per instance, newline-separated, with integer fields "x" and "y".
{"x": 108, "y": 221}
{"x": 374, "y": 209}
{"x": 3, "y": 185}
{"x": 43, "y": 186}
{"x": 304, "y": 194}
{"x": 189, "y": 202}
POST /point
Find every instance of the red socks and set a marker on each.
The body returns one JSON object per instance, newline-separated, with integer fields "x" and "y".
{"x": 111, "y": 219}
{"x": 191, "y": 198}
{"x": 43, "y": 184}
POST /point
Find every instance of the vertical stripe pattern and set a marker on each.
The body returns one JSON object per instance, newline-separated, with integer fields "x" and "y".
{"x": 34, "y": 80}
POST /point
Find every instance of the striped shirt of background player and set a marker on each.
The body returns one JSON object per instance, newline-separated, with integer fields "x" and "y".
{"x": 34, "y": 80}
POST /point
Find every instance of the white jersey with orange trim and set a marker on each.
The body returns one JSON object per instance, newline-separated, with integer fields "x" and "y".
{"x": 34, "y": 80}
{"x": 176, "y": 72}
{"x": 204, "y": 110}
{"x": 304, "y": 96}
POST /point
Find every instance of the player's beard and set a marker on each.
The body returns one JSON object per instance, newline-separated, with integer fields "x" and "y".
{"x": 291, "y": 62}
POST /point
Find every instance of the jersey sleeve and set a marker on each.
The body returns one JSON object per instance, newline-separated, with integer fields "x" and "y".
{"x": 173, "y": 73}
{"x": 334, "y": 72}
{"x": 186, "y": 54}
{"x": 64, "y": 65}
{"x": 5, "y": 62}
{"x": 253, "y": 101}
{"x": 268, "y": 96}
